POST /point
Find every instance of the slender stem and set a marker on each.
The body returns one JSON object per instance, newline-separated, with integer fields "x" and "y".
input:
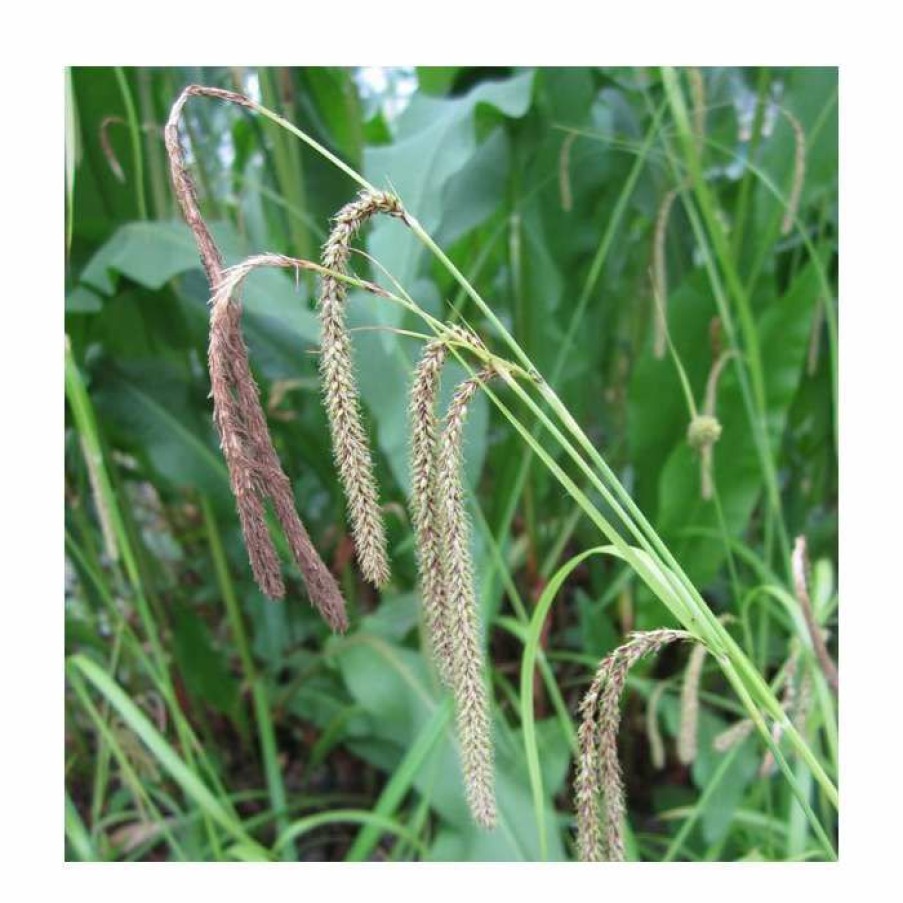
{"x": 135, "y": 130}
{"x": 744, "y": 310}
{"x": 266, "y": 733}
{"x": 762, "y": 727}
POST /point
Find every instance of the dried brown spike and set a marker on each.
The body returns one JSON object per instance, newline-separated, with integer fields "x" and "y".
{"x": 224, "y": 354}
{"x": 255, "y": 473}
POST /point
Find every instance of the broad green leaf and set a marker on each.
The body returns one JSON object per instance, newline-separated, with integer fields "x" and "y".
{"x": 153, "y": 253}
{"x": 147, "y": 253}
{"x": 436, "y": 138}
{"x": 476, "y": 191}
{"x": 147, "y": 406}
{"x": 203, "y": 667}
{"x": 81, "y": 300}
{"x": 436, "y": 80}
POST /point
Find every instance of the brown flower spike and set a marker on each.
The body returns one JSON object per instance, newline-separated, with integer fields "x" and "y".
{"x": 341, "y": 396}
{"x": 255, "y": 473}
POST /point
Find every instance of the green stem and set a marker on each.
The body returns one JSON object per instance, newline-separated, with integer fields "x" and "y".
{"x": 135, "y": 130}
{"x": 262, "y": 714}
{"x": 289, "y": 169}
{"x": 752, "y": 352}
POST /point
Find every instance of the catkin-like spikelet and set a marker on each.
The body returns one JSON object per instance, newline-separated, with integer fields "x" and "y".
{"x": 660, "y": 274}
{"x": 255, "y": 473}
{"x": 224, "y": 355}
{"x": 425, "y": 504}
{"x": 564, "y": 172}
{"x": 468, "y": 685}
{"x": 799, "y": 172}
{"x": 586, "y": 780}
{"x": 731, "y": 736}
{"x": 598, "y": 736}
{"x": 689, "y": 707}
{"x": 341, "y": 396}
{"x": 653, "y": 733}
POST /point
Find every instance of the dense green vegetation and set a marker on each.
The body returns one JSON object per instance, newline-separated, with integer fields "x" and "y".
{"x": 205, "y": 721}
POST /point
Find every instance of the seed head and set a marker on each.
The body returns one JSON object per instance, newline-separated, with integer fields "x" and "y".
{"x": 689, "y": 707}
{"x": 653, "y": 734}
{"x": 341, "y": 397}
{"x": 704, "y": 430}
{"x": 467, "y": 669}
{"x": 255, "y": 473}
{"x": 598, "y": 770}
{"x": 425, "y": 505}
{"x": 731, "y": 736}
{"x": 799, "y": 172}
{"x": 660, "y": 273}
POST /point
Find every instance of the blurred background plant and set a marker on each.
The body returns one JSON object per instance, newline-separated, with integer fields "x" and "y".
{"x": 206, "y": 722}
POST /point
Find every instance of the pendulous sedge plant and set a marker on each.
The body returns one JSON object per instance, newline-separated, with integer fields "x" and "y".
{"x": 438, "y": 499}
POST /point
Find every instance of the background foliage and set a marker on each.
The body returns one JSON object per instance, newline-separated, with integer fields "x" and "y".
{"x": 204, "y": 721}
